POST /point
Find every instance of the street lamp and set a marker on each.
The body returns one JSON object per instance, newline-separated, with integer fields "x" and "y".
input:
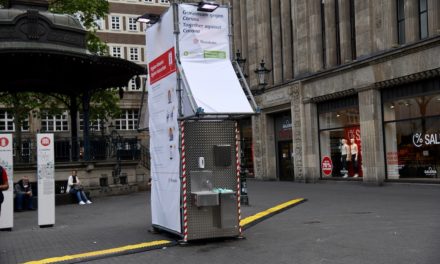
{"x": 241, "y": 62}
{"x": 262, "y": 73}
{"x": 148, "y": 19}
{"x": 207, "y": 6}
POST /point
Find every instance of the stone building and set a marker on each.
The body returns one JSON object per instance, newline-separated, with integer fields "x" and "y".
{"x": 353, "y": 92}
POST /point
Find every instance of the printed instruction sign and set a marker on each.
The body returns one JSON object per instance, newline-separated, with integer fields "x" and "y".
{"x": 203, "y": 35}
{"x": 46, "y": 179}
{"x": 164, "y": 129}
{"x": 6, "y": 161}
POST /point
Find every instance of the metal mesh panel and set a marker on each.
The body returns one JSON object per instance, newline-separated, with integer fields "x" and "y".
{"x": 201, "y": 137}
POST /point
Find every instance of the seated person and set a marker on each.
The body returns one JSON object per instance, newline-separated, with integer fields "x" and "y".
{"x": 23, "y": 194}
{"x": 74, "y": 187}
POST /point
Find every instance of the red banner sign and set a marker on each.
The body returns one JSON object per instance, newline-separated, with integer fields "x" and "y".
{"x": 162, "y": 66}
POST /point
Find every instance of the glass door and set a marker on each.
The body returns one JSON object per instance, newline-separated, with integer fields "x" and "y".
{"x": 285, "y": 161}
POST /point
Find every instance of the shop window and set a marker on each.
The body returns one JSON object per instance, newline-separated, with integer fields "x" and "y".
{"x": 340, "y": 138}
{"x": 412, "y": 136}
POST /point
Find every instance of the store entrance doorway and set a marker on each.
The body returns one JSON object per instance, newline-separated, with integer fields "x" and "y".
{"x": 285, "y": 161}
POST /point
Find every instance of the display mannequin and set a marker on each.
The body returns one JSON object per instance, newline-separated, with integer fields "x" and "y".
{"x": 345, "y": 156}
{"x": 354, "y": 157}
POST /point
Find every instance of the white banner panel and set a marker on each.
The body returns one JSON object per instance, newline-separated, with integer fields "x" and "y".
{"x": 203, "y": 35}
{"x": 164, "y": 130}
{"x": 204, "y": 53}
{"x": 215, "y": 87}
{"x": 6, "y": 161}
{"x": 46, "y": 179}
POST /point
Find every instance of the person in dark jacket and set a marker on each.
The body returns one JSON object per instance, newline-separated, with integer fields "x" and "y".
{"x": 4, "y": 185}
{"x": 23, "y": 194}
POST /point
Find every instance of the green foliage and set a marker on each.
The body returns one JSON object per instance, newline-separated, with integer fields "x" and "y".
{"x": 88, "y": 11}
{"x": 105, "y": 104}
{"x": 94, "y": 44}
{"x": 21, "y": 104}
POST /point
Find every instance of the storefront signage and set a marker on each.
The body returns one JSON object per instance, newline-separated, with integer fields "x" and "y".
{"x": 420, "y": 139}
{"x": 287, "y": 124}
{"x": 327, "y": 166}
{"x": 430, "y": 172}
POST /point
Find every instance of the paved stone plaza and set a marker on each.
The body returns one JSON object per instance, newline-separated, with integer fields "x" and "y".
{"x": 340, "y": 223}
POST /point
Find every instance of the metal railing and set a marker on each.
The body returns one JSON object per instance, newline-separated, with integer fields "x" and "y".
{"x": 113, "y": 147}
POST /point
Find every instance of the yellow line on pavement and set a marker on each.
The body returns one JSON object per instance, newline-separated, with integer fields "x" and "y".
{"x": 101, "y": 252}
{"x": 248, "y": 220}
{"x": 243, "y": 223}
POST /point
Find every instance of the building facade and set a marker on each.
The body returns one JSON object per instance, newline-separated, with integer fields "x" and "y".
{"x": 125, "y": 38}
{"x": 116, "y": 144}
{"x": 354, "y": 88}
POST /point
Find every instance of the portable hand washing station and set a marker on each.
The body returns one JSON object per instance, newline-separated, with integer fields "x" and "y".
{"x": 195, "y": 100}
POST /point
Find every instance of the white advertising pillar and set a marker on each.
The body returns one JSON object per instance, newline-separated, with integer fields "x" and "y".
{"x": 6, "y": 161}
{"x": 46, "y": 180}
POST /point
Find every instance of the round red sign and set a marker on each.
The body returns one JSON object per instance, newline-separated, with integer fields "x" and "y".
{"x": 45, "y": 141}
{"x": 4, "y": 142}
{"x": 327, "y": 166}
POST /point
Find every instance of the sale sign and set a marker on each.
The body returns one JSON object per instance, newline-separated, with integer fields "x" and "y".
{"x": 327, "y": 166}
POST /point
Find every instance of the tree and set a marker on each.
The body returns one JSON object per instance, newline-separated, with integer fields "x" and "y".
{"x": 87, "y": 11}
{"x": 21, "y": 105}
{"x": 104, "y": 102}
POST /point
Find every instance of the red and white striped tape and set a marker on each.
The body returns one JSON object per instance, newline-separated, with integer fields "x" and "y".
{"x": 237, "y": 158}
{"x": 184, "y": 187}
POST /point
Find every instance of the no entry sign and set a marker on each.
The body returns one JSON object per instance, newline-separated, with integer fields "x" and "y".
{"x": 327, "y": 166}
